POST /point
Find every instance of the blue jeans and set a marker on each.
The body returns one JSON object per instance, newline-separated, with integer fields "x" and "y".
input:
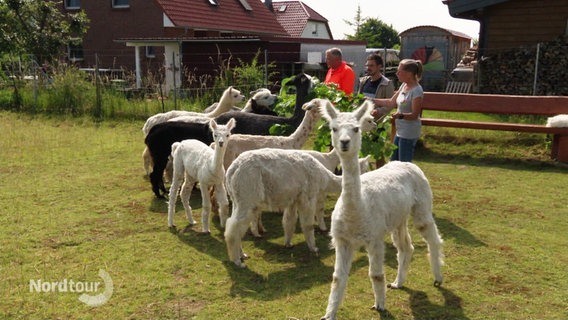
{"x": 405, "y": 150}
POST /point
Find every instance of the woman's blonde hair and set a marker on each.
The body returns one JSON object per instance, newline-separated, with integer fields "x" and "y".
{"x": 413, "y": 66}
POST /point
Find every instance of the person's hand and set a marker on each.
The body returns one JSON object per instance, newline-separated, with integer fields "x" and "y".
{"x": 376, "y": 113}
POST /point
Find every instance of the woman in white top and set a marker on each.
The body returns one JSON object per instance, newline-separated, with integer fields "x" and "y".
{"x": 408, "y": 101}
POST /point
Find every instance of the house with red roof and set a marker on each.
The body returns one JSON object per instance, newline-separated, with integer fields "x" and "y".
{"x": 187, "y": 39}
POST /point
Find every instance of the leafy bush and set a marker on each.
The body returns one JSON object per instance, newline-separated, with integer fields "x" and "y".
{"x": 375, "y": 143}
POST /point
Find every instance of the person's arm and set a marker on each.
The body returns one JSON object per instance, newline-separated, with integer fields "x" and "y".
{"x": 384, "y": 105}
{"x": 348, "y": 82}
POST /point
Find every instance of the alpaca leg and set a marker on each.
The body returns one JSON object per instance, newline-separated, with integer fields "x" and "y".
{"x": 214, "y": 202}
{"x": 157, "y": 180}
{"x": 256, "y": 223}
{"x": 205, "y": 208}
{"x": 403, "y": 243}
{"x": 185, "y": 194}
{"x": 307, "y": 223}
{"x": 430, "y": 234}
{"x": 222, "y": 201}
{"x": 289, "y": 224}
{"x": 235, "y": 229}
{"x": 320, "y": 211}
{"x": 147, "y": 158}
{"x": 173, "y": 198}
{"x": 259, "y": 226}
{"x": 343, "y": 260}
{"x": 168, "y": 172}
{"x": 376, "y": 253}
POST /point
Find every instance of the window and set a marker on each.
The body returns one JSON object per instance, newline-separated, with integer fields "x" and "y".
{"x": 75, "y": 51}
{"x": 120, "y": 3}
{"x": 72, "y": 4}
{"x": 150, "y": 52}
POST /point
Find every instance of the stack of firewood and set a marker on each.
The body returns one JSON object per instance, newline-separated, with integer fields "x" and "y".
{"x": 513, "y": 71}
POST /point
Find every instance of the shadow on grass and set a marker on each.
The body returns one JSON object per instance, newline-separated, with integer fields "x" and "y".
{"x": 461, "y": 236}
{"x": 161, "y": 205}
{"x": 306, "y": 269}
{"x": 423, "y": 308}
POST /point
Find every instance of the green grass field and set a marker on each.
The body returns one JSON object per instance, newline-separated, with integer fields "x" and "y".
{"x": 74, "y": 199}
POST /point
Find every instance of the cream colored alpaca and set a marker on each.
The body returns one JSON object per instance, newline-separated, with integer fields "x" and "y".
{"x": 372, "y": 205}
{"x": 194, "y": 161}
{"x": 244, "y": 142}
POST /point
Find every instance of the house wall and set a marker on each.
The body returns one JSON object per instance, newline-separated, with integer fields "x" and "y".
{"x": 142, "y": 19}
{"x": 319, "y": 28}
{"x": 517, "y": 23}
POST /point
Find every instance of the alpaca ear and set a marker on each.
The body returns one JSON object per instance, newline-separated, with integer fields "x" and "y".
{"x": 328, "y": 111}
{"x": 212, "y": 125}
{"x": 364, "y": 109}
{"x": 231, "y": 124}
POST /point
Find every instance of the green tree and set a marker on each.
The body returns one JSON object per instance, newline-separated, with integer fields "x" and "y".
{"x": 38, "y": 28}
{"x": 356, "y": 23}
{"x": 377, "y": 33}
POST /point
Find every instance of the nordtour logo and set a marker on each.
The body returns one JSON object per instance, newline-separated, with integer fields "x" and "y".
{"x": 88, "y": 290}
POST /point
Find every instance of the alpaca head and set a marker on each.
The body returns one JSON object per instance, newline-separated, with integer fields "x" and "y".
{"x": 234, "y": 94}
{"x": 263, "y": 97}
{"x": 221, "y": 133}
{"x": 346, "y": 127}
{"x": 314, "y": 106}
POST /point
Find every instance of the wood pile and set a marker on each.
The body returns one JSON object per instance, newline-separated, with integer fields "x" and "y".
{"x": 513, "y": 72}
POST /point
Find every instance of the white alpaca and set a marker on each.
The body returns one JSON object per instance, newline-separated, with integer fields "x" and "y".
{"x": 330, "y": 160}
{"x": 275, "y": 179}
{"x": 244, "y": 142}
{"x": 373, "y": 204}
{"x": 194, "y": 162}
{"x": 230, "y": 97}
{"x": 558, "y": 121}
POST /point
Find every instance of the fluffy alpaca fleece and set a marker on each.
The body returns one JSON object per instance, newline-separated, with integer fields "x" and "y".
{"x": 277, "y": 180}
{"x": 330, "y": 161}
{"x": 373, "y": 204}
{"x": 559, "y": 121}
{"x": 163, "y": 135}
{"x": 193, "y": 161}
{"x": 230, "y": 97}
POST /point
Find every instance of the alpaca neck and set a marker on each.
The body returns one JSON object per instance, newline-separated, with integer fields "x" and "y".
{"x": 225, "y": 104}
{"x": 304, "y": 129}
{"x": 335, "y": 184}
{"x": 351, "y": 182}
{"x": 218, "y": 156}
{"x": 301, "y": 97}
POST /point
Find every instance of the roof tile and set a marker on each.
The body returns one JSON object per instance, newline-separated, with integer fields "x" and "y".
{"x": 229, "y": 15}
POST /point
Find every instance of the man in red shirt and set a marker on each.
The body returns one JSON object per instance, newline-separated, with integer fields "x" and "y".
{"x": 339, "y": 72}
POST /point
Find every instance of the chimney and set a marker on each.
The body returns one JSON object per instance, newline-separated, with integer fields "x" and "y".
{"x": 268, "y": 4}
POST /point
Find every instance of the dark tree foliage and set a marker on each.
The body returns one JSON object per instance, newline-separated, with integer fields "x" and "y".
{"x": 38, "y": 28}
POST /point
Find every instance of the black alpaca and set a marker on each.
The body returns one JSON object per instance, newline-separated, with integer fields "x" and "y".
{"x": 161, "y": 137}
